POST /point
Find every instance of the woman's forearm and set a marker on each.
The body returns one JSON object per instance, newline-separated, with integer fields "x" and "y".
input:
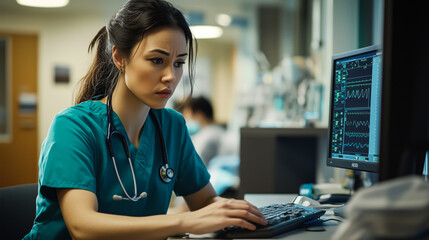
{"x": 80, "y": 212}
{"x": 107, "y": 226}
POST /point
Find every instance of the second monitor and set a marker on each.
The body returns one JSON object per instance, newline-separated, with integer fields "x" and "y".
{"x": 355, "y": 109}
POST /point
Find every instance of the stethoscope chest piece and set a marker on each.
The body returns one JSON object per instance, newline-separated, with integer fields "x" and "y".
{"x": 166, "y": 173}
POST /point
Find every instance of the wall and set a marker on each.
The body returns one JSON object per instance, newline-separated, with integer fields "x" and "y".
{"x": 221, "y": 54}
{"x": 63, "y": 40}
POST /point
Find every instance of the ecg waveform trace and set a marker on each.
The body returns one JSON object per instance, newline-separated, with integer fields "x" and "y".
{"x": 358, "y": 96}
{"x": 358, "y": 93}
{"x": 356, "y": 132}
{"x": 357, "y": 124}
{"x": 356, "y": 146}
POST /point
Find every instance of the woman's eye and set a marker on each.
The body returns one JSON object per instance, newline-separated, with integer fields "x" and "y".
{"x": 157, "y": 60}
{"x": 179, "y": 64}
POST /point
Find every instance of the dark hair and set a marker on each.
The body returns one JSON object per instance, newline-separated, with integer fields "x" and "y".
{"x": 200, "y": 104}
{"x": 125, "y": 30}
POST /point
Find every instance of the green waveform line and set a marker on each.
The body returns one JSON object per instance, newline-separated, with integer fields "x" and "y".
{"x": 357, "y": 134}
{"x": 356, "y": 145}
{"x": 357, "y": 123}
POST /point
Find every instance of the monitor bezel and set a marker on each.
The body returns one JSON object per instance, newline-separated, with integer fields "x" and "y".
{"x": 338, "y": 162}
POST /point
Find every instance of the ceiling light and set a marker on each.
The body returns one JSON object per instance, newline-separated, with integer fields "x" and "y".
{"x": 223, "y": 19}
{"x": 204, "y": 31}
{"x": 43, "y": 3}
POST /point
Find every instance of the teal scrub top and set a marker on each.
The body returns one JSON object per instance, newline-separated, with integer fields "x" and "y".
{"x": 75, "y": 155}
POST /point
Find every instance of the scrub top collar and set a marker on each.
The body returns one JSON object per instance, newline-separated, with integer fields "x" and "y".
{"x": 147, "y": 131}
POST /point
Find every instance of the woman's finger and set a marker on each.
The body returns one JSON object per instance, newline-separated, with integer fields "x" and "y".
{"x": 241, "y": 223}
{"x": 243, "y": 205}
{"x": 246, "y": 215}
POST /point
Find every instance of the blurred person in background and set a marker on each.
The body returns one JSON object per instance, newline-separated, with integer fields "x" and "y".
{"x": 206, "y": 135}
{"x": 210, "y": 140}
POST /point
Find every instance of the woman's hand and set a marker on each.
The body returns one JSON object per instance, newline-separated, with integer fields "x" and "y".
{"x": 223, "y": 213}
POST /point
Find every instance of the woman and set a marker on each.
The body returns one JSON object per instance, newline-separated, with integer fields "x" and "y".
{"x": 109, "y": 164}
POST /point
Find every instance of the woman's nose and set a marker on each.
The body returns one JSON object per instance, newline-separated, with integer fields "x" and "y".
{"x": 168, "y": 75}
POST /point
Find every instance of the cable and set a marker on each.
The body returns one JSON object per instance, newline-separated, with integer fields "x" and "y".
{"x": 331, "y": 219}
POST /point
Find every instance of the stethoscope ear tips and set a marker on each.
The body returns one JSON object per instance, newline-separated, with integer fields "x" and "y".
{"x": 143, "y": 195}
{"x": 117, "y": 198}
{"x": 134, "y": 199}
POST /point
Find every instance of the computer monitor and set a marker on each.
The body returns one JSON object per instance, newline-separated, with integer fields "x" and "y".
{"x": 355, "y": 109}
{"x": 404, "y": 129}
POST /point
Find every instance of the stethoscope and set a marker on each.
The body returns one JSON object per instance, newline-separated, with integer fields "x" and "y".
{"x": 166, "y": 174}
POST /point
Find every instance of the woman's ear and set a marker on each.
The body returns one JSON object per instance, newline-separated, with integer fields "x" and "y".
{"x": 118, "y": 59}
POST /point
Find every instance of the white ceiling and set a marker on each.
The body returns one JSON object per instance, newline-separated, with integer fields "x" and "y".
{"x": 111, "y": 6}
{"x": 106, "y": 8}
{"x": 74, "y": 7}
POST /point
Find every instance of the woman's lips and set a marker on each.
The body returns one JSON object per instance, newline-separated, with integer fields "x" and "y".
{"x": 165, "y": 93}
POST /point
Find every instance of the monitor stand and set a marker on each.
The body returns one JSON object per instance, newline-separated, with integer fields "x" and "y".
{"x": 357, "y": 184}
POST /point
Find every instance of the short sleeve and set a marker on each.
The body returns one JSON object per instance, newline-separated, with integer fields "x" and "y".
{"x": 192, "y": 173}
{"x": 67, "y": 158}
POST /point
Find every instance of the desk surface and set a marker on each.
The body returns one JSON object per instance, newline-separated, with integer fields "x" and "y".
{"x": 260, "y": 200}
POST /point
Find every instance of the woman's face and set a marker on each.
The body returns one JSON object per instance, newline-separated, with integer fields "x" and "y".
{"x": 155, "y": 66}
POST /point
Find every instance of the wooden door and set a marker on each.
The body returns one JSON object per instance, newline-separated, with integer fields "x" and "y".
{"x": 19, "y": 151}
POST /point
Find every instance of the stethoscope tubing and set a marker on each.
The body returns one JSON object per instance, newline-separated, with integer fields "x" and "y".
{"x": 166, "y": 173}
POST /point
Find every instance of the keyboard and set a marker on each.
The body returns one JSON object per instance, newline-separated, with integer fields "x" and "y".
{"x": 281, "y": 218}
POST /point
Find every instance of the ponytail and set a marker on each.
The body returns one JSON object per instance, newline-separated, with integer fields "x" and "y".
{"x": 102, "y": 75}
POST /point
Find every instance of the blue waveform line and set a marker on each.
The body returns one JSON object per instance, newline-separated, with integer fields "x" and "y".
{"x": 358, "y": 135}
{"x": 357, "y": 123}
{"x": 356, "y": 145}
{"x": 357, "y": 113}
{"x": 363, "y": 93}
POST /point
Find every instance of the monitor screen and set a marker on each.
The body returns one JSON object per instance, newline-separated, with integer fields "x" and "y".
{"x": 355, "y": 109}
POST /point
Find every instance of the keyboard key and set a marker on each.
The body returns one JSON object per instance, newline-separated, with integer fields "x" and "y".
{"x": 281, "y": 218}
